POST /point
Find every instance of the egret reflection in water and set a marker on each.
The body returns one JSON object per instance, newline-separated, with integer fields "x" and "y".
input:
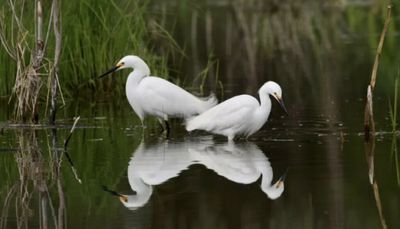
{"x": 242, "y": 163}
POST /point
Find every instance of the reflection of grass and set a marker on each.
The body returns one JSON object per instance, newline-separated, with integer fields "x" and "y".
{"x": 393, "y": 119}
{"x": 100, "y": 155}
{"x": 396, "y": 161}
{"x": 395, "y": 157}
{"x": 393, "y": 108}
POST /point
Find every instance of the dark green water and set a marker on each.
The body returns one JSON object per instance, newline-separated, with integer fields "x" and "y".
{"x": 334, "y": 178}
{"x": 197, "y": 181}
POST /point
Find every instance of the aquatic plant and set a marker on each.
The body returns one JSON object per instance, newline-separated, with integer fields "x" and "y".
{"x": 103, "y": 32}
{"x": 27, "y": 51}
{"x": 393, "y": 121}
{"x": 35, "y": 168}
{"x": 369, "y": 123}
{"x": 393, "y": 108}
{"x": 210, "y": 70}
{"x": 394, "y": 156}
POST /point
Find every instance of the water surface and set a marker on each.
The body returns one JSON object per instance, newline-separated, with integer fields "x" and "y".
{"x": 334, "y": 179}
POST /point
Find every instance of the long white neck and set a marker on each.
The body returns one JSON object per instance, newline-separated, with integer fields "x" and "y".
{"x": 143, "y": 193}
{"x": 140, "y": 70}
{"x": 262, "y": 114}
{"x": 136, "y": 76}
{"x": 265, "y": 100}
{"x": 271, "y": 190}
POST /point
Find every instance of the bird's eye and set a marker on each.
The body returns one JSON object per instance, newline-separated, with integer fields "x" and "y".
{"x": 122, "y": 63}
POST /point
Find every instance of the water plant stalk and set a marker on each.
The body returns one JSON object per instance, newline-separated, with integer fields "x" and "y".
{"x": 57, "y": 54}
{"x": 37, "y": 50}
{"x": 369, "y": 124}
{"x": 393, "y": 108}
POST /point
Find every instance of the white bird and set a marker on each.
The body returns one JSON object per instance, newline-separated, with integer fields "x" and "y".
{"x": 151, "y": 95}
{"x": 240, "y": 115}
{"x": 153, "y": 165}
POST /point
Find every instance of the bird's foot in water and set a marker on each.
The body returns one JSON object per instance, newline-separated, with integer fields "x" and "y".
{"x": 165, "y": 134}
{"x": 165, "y": 130}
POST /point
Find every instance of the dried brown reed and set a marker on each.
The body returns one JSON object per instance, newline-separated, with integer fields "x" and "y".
{"x": 369, "y": 124}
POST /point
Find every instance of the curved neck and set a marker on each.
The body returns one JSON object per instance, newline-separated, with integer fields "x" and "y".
{"x": 264, "y": 96}
{"x": 264, "y": 99}
{"x": 135, "y": 77}
{"x": 266, "y": 177}
{"x": 143, "y": 193}
{"x": 138, "y": 185}
{"x": 271, "y": 190}
{"x": 265, "y": 103}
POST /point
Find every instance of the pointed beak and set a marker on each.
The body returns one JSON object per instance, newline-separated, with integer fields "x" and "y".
{"x": 123, "y": 198}
{"x": 111, "y": 70}
{"x": 281, "y": 179}
{"x": 280, "y": 101}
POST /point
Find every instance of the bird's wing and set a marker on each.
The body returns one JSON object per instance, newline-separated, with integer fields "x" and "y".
{"x": 166, "y": 97}
{"x": 231, "y": 113}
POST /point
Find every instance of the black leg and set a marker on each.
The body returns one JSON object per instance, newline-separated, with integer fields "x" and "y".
{"x": 167, "y": 127}
{"x": 162, "y": 128}
{"x": 160, "y": 121}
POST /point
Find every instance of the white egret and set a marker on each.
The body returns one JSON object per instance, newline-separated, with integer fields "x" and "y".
{"x": 153, "y": 165}
{"x": 151, "y": 95}
{"x": 240, "y": 115}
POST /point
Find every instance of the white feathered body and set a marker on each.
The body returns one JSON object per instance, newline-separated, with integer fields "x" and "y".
{"x": 239, "y": 115}
{"x": 155, "y": 164}
{"x": 150, "y": 95}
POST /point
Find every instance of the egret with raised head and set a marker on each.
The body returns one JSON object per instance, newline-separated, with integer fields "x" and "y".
{"x": 151, "y": 95}
{"x": 240, "y": 115}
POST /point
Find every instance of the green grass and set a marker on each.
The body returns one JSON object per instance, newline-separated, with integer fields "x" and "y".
{"x": 393, "y": 108}
{"x": 395, "y": 157}
{"x": 108, "y": 31}
{"x": 393, "y": 119}
{"x": 95, "y": 34}
{"x": 211, "y": 68}
{"x": 100, "y": 154}
{"x": 105, "y": 31}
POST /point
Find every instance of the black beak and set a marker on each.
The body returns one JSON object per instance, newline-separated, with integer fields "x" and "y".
{"x": 282, "y": 178}
{"x": 110, "y": 71}
{"x": 282, "y": 105}
{"x": 114, "y": 193}
{"x": 123, "y": 198}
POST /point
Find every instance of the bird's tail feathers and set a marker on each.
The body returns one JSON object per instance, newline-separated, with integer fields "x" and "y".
{"x": 189, "y": 123}
{"x": 208, "y": 102}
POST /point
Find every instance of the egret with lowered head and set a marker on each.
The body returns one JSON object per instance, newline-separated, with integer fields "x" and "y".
{"x": 240, "y": 115}
{"x": 151, "y": 95}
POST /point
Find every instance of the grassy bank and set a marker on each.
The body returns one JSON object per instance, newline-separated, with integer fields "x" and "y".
{"x": 253, "y": 39}
{"x": 95, "y": 34}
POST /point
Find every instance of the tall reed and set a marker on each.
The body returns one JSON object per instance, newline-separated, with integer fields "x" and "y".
{"x": 105, "y": 32}
{"x": 94, "y": 35}
{"x": 369, "y": 123}
{"x": 393, "y": 119}
{"x": 26, "y": 49}
{"x": 393, "y": 108}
